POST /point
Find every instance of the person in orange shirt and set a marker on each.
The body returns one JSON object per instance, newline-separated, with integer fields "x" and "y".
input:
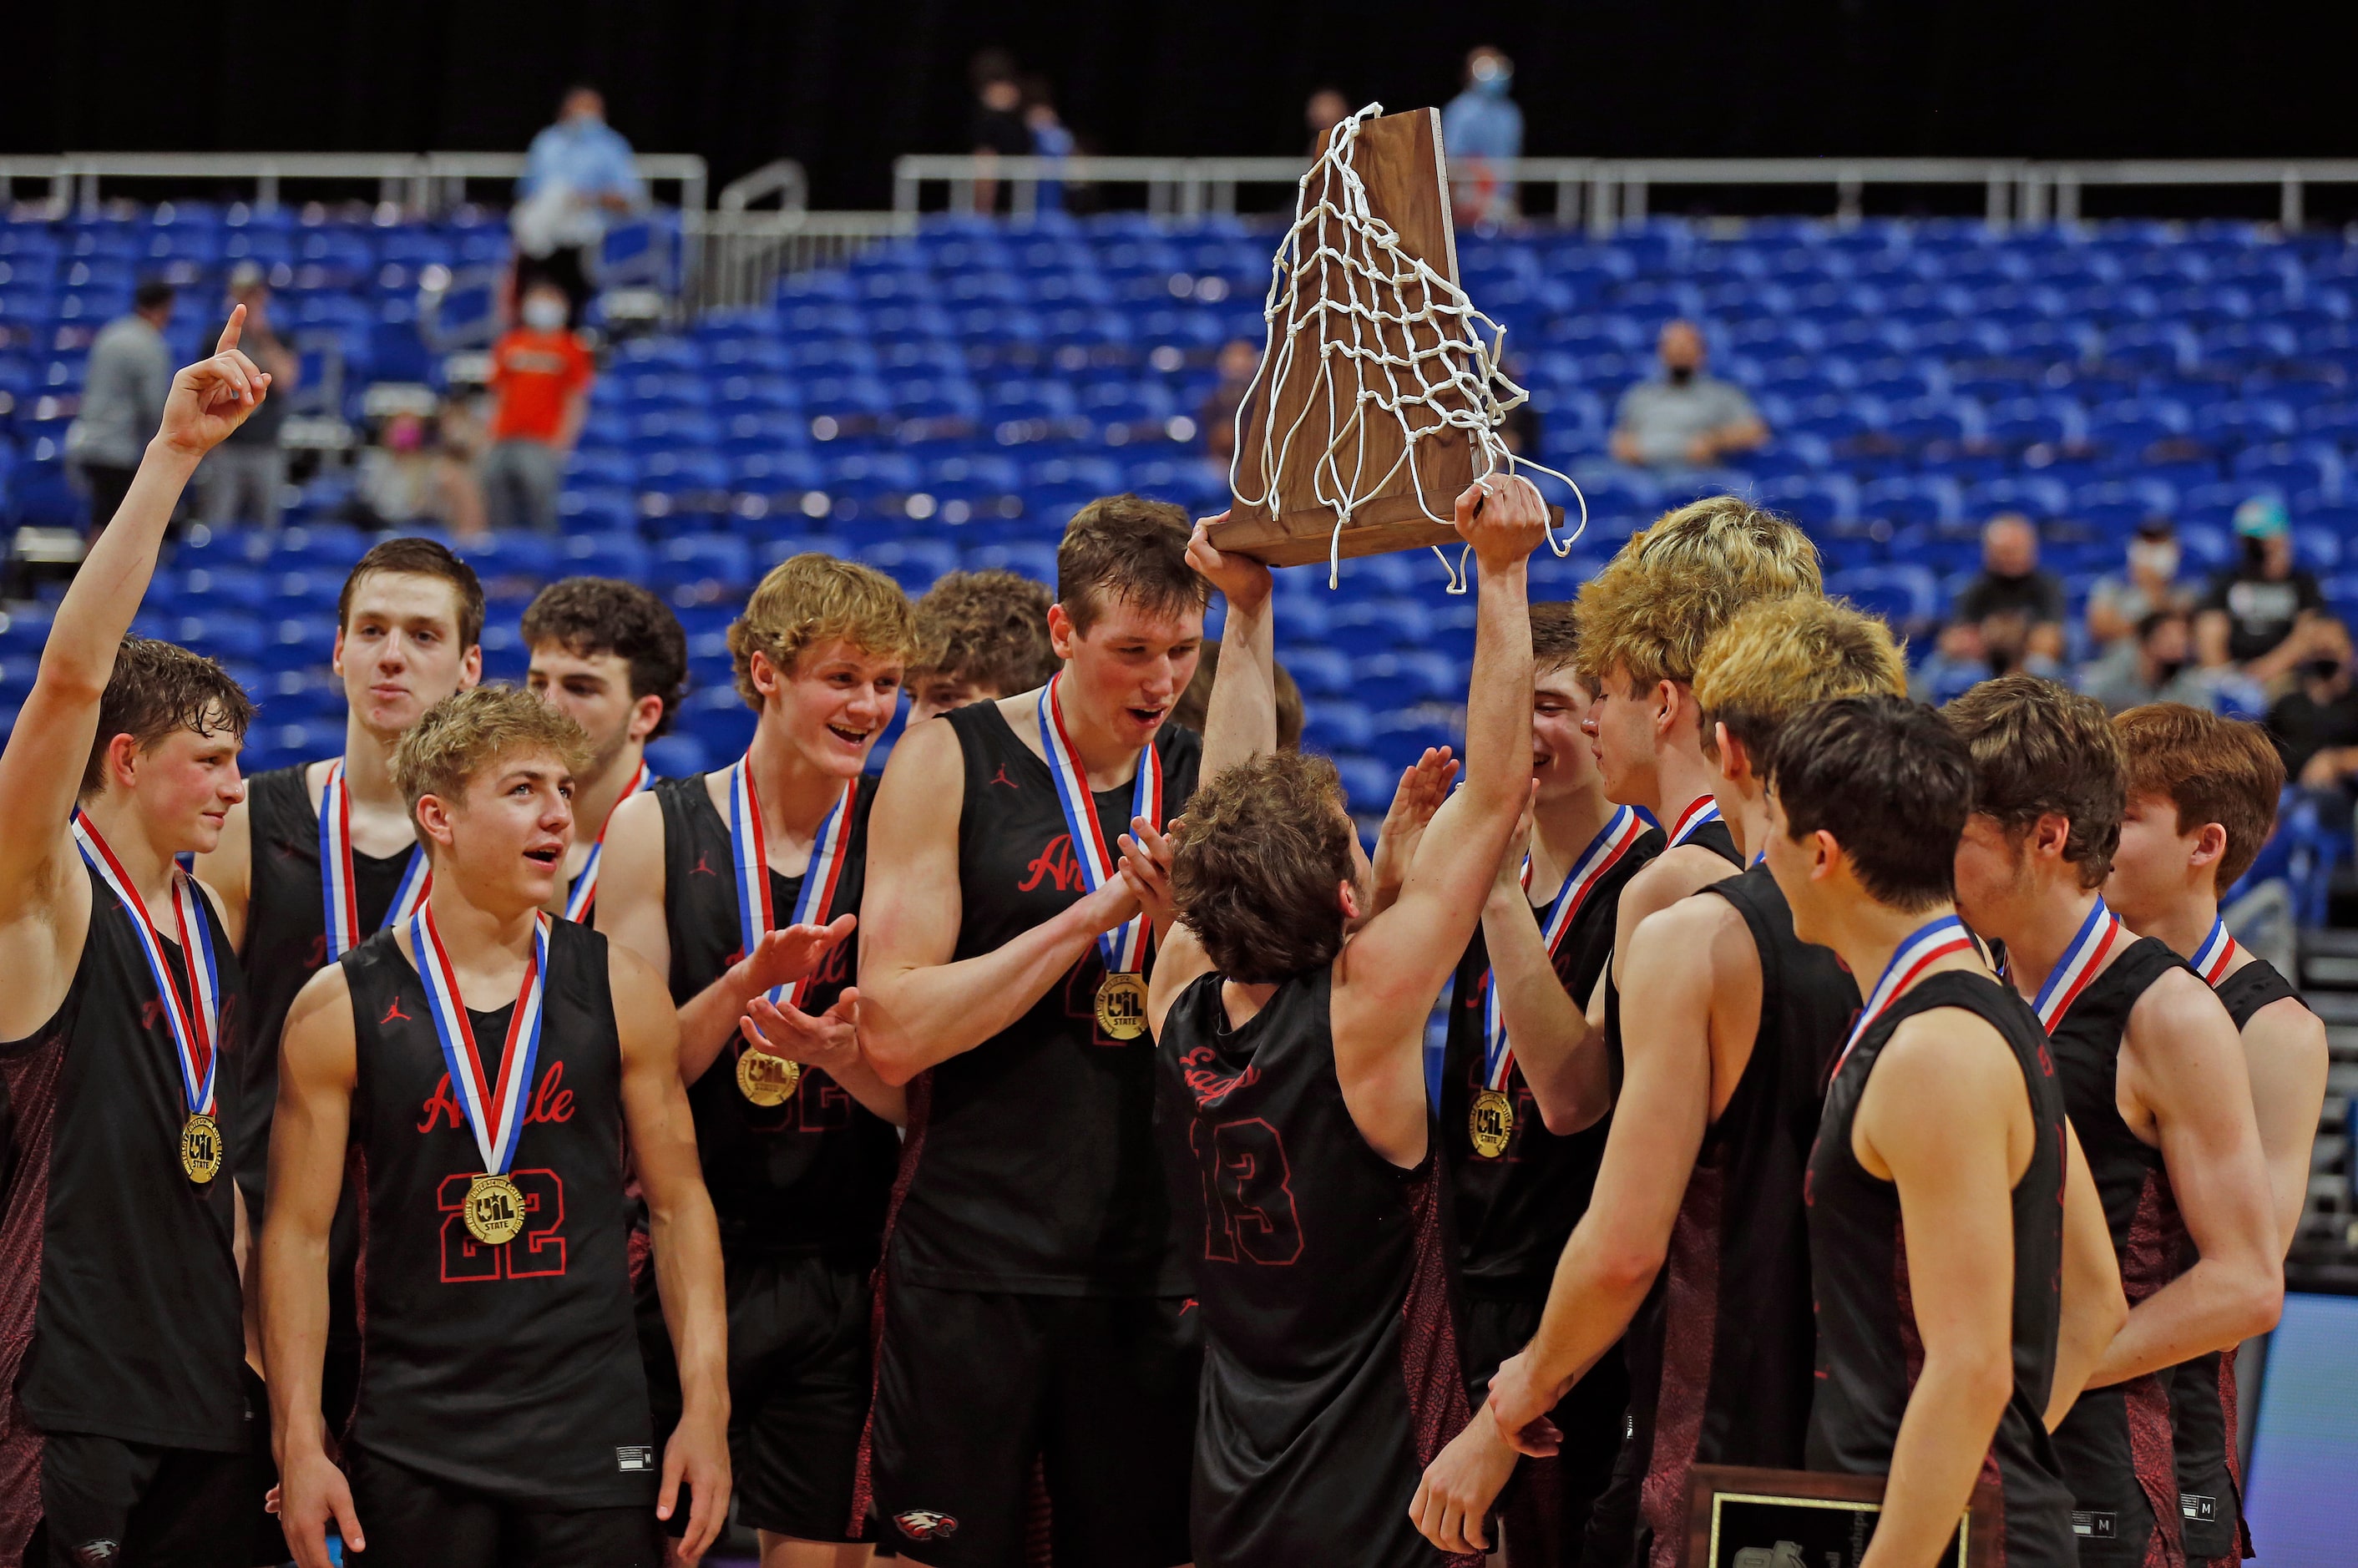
{"x": 540, "y": 384}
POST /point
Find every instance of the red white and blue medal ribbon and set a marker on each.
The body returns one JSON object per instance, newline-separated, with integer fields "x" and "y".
{"x": 493, "y": 1100}
{"x": 192, "y": 1020}
{"x": 1124, "y": 947}
{"x": 1603, "y": 852}
{"x": 755, "y": 917}
{"x": 336, "y": 886}
{"x": 2078, "y": 965}
{"x": 1692, "y": 819}
{"x": 584, "y": 891}
{"x": 1922, "y": 947}
{"x": 2218, "y": 951}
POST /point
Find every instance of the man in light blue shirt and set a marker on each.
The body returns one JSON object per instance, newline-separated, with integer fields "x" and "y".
{"x": 1478, "y": 127}
{"x": 578, "y": 174}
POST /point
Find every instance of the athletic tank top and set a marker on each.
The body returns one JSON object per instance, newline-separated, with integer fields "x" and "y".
{"x": 1721, "y": 1362}
{"x": 1330, "y": 1362}
{"x": 118, "y": 1266}
{"x": 1514, "y": 1211}
{"x": 810, "y": 1175}
{"x": 2116, "y": 1444}
{"x": 286, "y": 935}
{"x": 2202, "y": 1411}
{"x": 1714, "y": 836}
{"x": 1031, "y": 1163}
{"x": 511, "y": 1370}
{"x": 1869, "y": 1352}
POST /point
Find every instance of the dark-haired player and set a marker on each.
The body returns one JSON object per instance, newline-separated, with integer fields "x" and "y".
{"x": 2201, "y": 803}
{"x": 124, "y": 1417}
{"x": 2154, "y": 1080}
{"x": 493, "y": 1069}
{"x": 985, "y": 636}
{"x": 1032, "y": 1301}
{"x": 742, "y": 885}
{"x": 1963, "y": 1279}
{"x": 1290, "y": 1103}
{"x": 1519, "y": 1121}
{"x": 610, "y": 656}
{"x": 1694, "y": 1239}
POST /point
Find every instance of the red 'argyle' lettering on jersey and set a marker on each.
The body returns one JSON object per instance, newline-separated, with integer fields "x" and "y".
{"x": 151, "y": 1013}
{"x": 1210, "y": 1087}
{"x": 318, "y": 958}
{"x": 1056, "y": 863}
{"x": 550, "y": 1102}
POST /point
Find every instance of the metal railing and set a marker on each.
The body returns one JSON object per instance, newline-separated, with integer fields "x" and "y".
{"x": 782, "y": 177}
{"x": 1603, "y": 193}
{"x": 420, "y": 182}
{"x": 735, "y": 257}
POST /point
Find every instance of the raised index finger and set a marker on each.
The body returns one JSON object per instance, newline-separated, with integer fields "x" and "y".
{"x": 230, "y": 333}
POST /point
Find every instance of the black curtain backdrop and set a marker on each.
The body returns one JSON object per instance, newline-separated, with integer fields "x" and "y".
{"x": 846, "y": 86}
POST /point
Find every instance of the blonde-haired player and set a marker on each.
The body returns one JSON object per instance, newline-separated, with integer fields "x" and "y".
{"x": 494, "y": 1068}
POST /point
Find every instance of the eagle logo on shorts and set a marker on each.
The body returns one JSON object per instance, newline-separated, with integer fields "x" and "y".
{"x": 925, "y": 1524}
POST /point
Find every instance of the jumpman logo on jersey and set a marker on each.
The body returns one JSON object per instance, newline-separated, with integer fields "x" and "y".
{"x": 1000, "y": 778}
{"x": 394, "y": 1015}
{"x": 703, "y": 867}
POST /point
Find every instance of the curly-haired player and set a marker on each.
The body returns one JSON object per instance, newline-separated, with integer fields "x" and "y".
{"x": 985, "y": 636}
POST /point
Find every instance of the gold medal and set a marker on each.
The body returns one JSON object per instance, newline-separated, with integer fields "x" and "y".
{"x": 494, "y": 1211}
{"x": 1491, "y": 1123}
{"x": 200, "y": 1149}
{"x": 1122, "y": 1006}
{"x": 765, "y": 1079}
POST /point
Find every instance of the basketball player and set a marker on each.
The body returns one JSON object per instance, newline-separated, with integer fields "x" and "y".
{"x": 1292, "y": 1110}
{"x": 738, "y": 882}
{"x": 493, "y": 1069}
{"x": 611, "y": 657}
{"x": 1032, "y": 1297}
{"x": 1694, "y": 1241}
{"x": 1512, "y": 1095}
{"x": 2201, "y": 802}
{"x": 123, "y": 1408}
{"x": 2154, "y": 1081}
{"x": 1963, "y": 1278}
{"x": 986, "y": 637}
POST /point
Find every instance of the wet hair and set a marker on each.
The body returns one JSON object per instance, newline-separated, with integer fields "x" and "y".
{"x": 1889, "y": 780}
{"x": 2210, "y": 768}
{"x": 988, "y": 629}
{"x": 1122, "y": 549}
{"x": 411, "y": 556}
{"x": 1775, "y": 657}
{"x": 156, "y": 689}
{"x": 2039, "y": 748}
{"x": 1194, "y": 703}
{"x": 1255, "y": 875}
{"x": 587, "y": 616}
{"x": 810, "y": 599}
{"x": 468, "y": 731}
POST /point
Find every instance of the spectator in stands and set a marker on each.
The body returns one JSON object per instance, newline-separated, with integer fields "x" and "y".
{"x": 578, "y": 174}
{"x": 1684, "y": 419}
{"x": 1479, "y": 126}
{"x": 1051, "y": 137}
{"x": 123, "y": 390}
{"x": 407, "y": 476}
{"x": 2262, "y": 613}
{"x": 242, "y": 477}
{"x": 2316, "y": 723}
{"x": 2159, "y": 666}
{"x": 1195, "y": 701}
{"x": 1239, "y": 358}
{"x": 2009, "y": 591}
{"x": 540, "y": 388}
{"x": 997, "y": 129}
{"x": 1326, "y": 109}
{"x": 2118, "y": 606}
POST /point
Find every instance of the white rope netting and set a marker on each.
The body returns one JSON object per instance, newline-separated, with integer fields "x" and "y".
{"x": 1393, "y": 339}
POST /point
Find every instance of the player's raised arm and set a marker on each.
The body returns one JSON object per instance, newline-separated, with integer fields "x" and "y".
{"x": 1241, "y": 721}
{"x": 42, "y": 769}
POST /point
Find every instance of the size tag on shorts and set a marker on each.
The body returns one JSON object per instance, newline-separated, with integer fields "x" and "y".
{"x": 2198, "y": 1507}
{"x": 2095, "y": 1526}
{"x": 629, "y": 1460}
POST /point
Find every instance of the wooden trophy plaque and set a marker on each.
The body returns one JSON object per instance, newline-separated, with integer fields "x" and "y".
{"x": 1742, "y": 1518}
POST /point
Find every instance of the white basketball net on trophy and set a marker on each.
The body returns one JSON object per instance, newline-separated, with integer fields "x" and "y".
{"x": 1393, "y": 339}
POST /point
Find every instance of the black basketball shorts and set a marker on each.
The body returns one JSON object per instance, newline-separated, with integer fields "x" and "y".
{"x": 413, "y": 1520}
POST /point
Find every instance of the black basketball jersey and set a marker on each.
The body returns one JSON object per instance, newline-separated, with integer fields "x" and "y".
{"x": 2202, "y": 1400}
{"x": 1330, "y": 1362}
{"x": 2117, "y": 1445}
{"x": 1869, "y": 1352}
{"x": 117, "y": 1266}
{"x": 812, "y": 1174}
{"x": 1031, "y": 1163}
{"x": 1513, "y": 1213}
{"x": 1721, "y": 1359}
{"x": 286, "y": 935}
{"x": 1714, "y": 836}
{"x": 512, "y": 1370}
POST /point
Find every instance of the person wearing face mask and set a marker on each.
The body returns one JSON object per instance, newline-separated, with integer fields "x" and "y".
{"x": 2118, "y": 603}
{"x": 1482, "y": 123}
{"x": 578, "y": 174}
{"x": 1684, "y": 419}
{"x": 2317, "y": 721}
{"x": 2159, "y": 667}
{"x": 540, "y": 386}
{"x": 2264, "y": 612}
